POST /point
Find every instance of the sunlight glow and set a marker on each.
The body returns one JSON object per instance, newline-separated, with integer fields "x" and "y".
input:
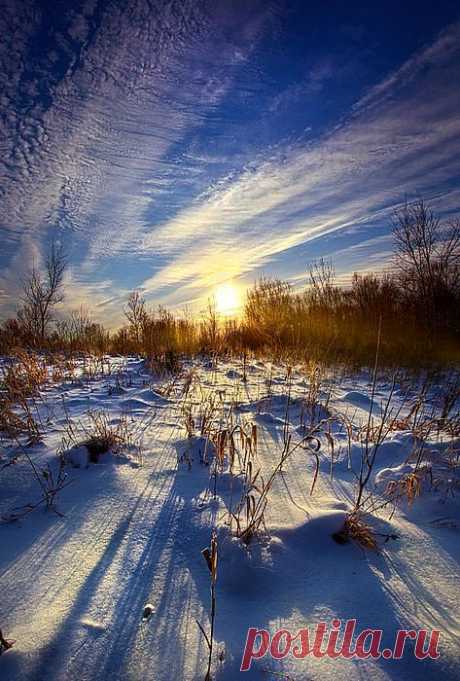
{"x": 228, "y": 299}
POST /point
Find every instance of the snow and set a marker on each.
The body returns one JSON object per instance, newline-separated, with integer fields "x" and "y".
{"x": 74, "y": 587}
{"x": 78, "y": 456}
{"x": 396, "y": 473}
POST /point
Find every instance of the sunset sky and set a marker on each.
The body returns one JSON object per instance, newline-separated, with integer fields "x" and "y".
{"x": 176, "y": 146}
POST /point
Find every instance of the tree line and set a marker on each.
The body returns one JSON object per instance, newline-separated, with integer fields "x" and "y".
{"x": 415, "y": 308}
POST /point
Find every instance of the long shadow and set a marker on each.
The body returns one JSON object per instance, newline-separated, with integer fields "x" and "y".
{"x": 52, "y": 659}
{"x": 309, "y": 582}
{"x": 307, "y": 577}
{"x": 168, "y": 572}
{"x": 303, "y": 578}
{"x": 59, "y": 657}
{"x": 160, "y": 566}
{"x": 38, "y": 539}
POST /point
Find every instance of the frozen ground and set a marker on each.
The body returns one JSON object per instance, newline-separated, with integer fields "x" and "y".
{"x": 73, "y": 588}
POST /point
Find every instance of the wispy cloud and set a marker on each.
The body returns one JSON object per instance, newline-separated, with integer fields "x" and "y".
{"x": 399, "y": 146}
{"x": 118, "y": 139}
{"x": 95, "y": 140}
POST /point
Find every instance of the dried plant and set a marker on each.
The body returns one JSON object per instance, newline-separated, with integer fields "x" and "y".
{"x": 24, "y": 376}
{"x": 372, "y": 435}
{"x": 450, "y": 396}
{"x": 99, "y": 434}
{"x": 409, "y": 486}
{"x": 354, "y": 528}
{"x": 20, "y": 383}
{"x": 51, "y": 482}
{"x": 249, "y": 515}
{"x": 16, "y": 420}
{"x": 210, "y": 554}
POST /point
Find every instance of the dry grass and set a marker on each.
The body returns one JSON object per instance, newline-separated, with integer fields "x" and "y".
{"x": 24, "y": 376}
{"x": 100, "y": 435}
{"x": 408, "y": 487}
{"x": 355, "y": 529}
{"x": 50, "y": 480}
{"x": 234, "y": 443}
{"x": 162, "y": 364}
{"x": 20, "y": 384}
{"x": 16, "y": 420}
{"x": 210, "y": 554}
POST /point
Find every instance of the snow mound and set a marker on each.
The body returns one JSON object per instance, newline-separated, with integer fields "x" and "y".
{"x": 396, "y": 473}
{"x": 360, "y": 400}
{"x": 316, "y": 530}
{"x": 252, "y": 571}
{"x": 149, "y": 395}
{"x": 135, "y": 404}
{"x": 78, "y": 456}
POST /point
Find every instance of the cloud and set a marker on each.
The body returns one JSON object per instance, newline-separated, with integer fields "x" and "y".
{"x": 390, "y": 147}
{"x": 119, "y": 139}
{"x": 91, "y": 145}
{"x": 90, "y": 124}
{"x": 103, "y": 298}
{"x": 12, "y": 277}
{"x": 439, "y": 53}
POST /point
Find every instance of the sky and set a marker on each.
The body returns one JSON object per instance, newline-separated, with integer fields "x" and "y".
{"x": 178, "y": 146}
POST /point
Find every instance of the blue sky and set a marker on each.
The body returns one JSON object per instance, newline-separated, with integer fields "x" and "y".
{"x": 176, "y": 145}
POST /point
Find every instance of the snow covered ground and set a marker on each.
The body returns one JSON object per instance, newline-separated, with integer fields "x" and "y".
{"x": 133, "y": 525}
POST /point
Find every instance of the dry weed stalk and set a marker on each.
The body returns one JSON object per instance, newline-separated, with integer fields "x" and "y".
{"x": 249, "y": 515}
{"x": 354, "y": 528}
{"x": 20, "y": 384}
{"x": 450, "y": 396}
{"x": 99, "y": 435}
{"x": 312, "y": 404}
{"x": 288, "y": 404}
{"x": 14, "y": 424}
{"x": 409, "y": 487}
{"x": 210, "y": 554}
{"x": 373, "y": 436}
{"x": 24, "y": 376}
{"x": 50, "y": 483}
{"x": 229, "y": 447}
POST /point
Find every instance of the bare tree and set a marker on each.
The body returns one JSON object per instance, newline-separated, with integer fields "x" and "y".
{"x": 210, "y": 336}
{"x": 136, "y": 314}
{"x": 373, "y": 296}
{"x": 41, "y": 293}
{"x": 427, "y": 258}
{"x": 322, "y": 291}
{"x": 74, "y": 329}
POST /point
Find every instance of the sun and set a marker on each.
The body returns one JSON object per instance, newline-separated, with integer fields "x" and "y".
{"x": 228, "y": 299}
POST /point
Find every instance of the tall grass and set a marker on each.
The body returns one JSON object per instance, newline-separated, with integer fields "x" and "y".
{"x": 319, "y": 326}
